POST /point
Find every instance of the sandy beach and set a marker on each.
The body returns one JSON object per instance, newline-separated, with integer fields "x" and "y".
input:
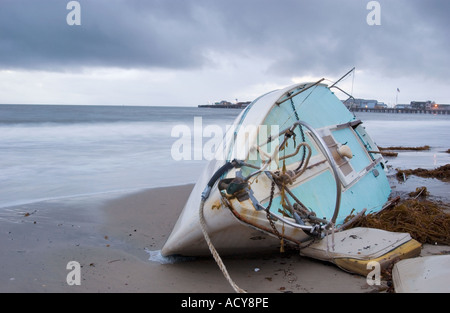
{"x": 110, "y": 236}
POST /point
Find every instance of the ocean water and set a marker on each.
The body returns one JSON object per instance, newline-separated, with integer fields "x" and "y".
{"x": 51, "y": 152}
{"x": 411, "y": 130}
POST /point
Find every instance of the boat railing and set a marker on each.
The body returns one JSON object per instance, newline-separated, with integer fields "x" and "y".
{"x": 324, "y": 150}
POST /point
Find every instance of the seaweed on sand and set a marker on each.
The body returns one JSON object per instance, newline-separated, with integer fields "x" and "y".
{"x": 425, "y": 221}
{"x": 442, "y": 173}
{"x": 387, "y": 151}
{"x": 422, "y": 148}
{"x": 420, "y": 192}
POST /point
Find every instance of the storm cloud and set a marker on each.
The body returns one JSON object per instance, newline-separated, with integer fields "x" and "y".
{"x": 298, "y": 36}
{"x": 293, "y": 37}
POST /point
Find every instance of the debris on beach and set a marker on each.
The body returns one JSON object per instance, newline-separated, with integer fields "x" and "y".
{"x": 421, "y": 148}
{"x": 389, "y": 151}
{"x": 26, "y": 214}
{"x": 425, "y": 221}
{"x": 442, "y": 173}
{"x": 421, "y": 192}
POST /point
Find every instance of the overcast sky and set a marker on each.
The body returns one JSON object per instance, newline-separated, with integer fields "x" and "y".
{"x": 190, "y": 52}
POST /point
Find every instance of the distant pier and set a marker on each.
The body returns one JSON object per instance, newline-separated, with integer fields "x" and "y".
{"x": 226, "y": 105}
{"x": 403, "y": 110}
{"x": 221, "y": 106}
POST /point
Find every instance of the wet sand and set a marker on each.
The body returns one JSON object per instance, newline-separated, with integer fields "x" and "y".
{"x": 110, "y": 235}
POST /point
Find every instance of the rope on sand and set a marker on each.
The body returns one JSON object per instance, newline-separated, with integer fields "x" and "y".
{"x": 214, "y": 251}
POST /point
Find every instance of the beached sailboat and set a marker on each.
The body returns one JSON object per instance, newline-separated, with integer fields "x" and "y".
{"x": 295, "y": 164}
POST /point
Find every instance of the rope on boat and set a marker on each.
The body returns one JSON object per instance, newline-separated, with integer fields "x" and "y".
{"x": 279, "y": 178}
{"x": 214, "y": 252}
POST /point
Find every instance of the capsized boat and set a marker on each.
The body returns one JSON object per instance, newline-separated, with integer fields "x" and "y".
{"x": 294, "y": 165}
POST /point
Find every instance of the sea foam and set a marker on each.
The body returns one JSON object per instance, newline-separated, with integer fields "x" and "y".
{"x": 156, "y": 256}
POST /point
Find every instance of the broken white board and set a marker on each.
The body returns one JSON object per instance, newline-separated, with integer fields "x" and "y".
{"x": 354, "y": 248}
{"x": 430, "y": 274}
